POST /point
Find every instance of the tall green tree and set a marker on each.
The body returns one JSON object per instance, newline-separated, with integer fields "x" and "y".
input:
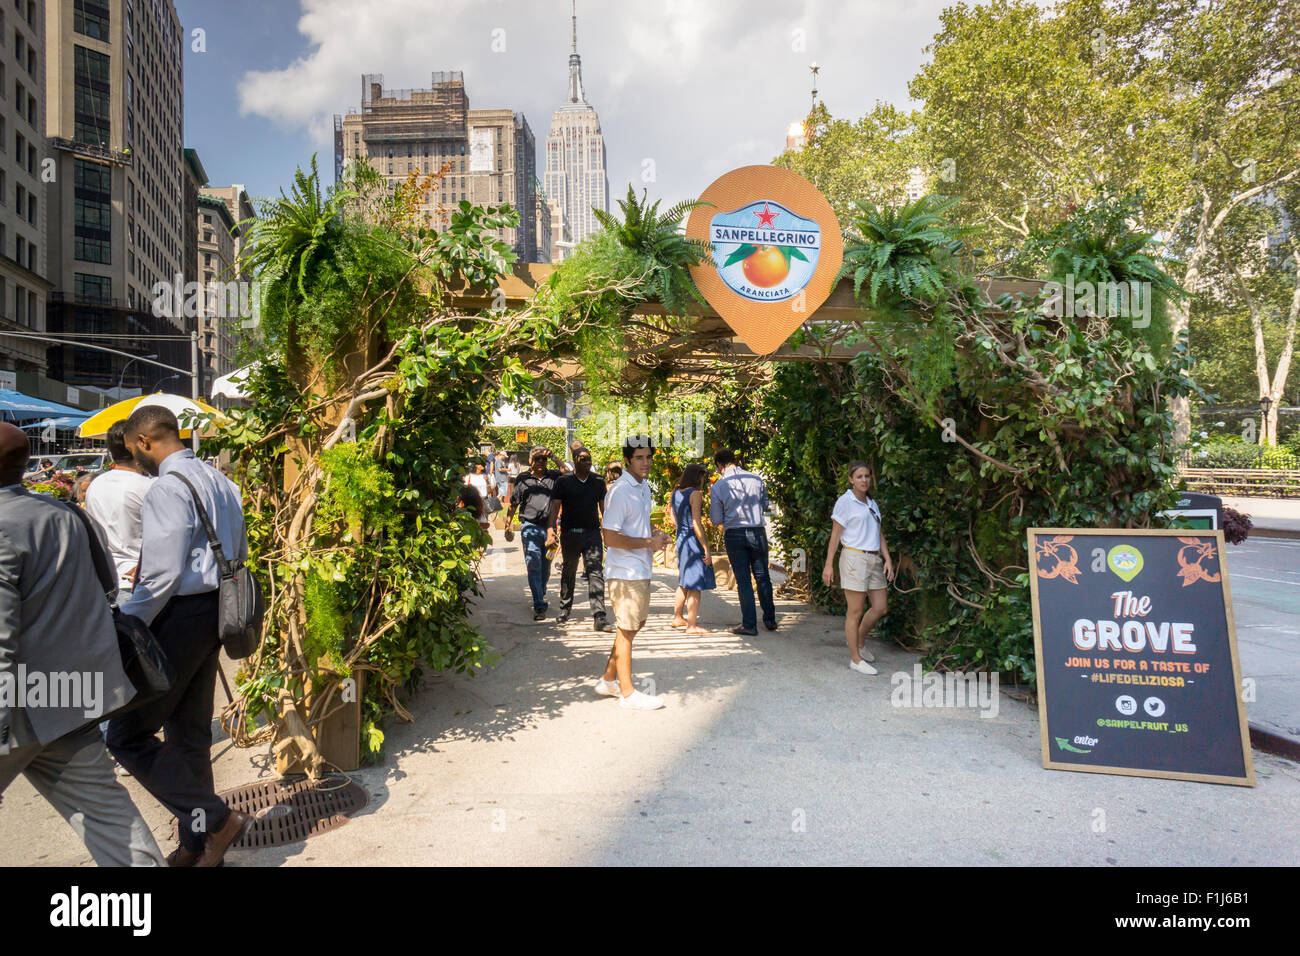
{"x": 1192, "y": 102}
{"x": 871, "y": 158}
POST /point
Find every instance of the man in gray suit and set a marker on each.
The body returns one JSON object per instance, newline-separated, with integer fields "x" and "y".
{"x": 60, "y": 669}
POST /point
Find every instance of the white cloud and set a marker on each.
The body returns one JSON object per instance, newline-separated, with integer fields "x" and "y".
{"x": 699, "y": 86}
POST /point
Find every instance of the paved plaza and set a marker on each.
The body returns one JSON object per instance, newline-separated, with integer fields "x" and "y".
{"x": 770, "y": 751}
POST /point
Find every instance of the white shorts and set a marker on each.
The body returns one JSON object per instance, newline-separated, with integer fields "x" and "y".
{"x": 862, "y": 571}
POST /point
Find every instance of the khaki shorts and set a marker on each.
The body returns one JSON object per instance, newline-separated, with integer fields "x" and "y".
{"x": 631, "y": 600}
{"x": 860, "y": 571}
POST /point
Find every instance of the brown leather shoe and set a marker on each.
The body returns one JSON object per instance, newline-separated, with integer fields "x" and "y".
{"x": 214, "y": 848}
{"x": 182, "y": 856}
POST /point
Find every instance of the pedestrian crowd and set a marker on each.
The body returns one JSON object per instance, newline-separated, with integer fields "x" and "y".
{"x": 572, "y": 511}
{"x": 146, "y": 556}
{"x": 158, "y": 535}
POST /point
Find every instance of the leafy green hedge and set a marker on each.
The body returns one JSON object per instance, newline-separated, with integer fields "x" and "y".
{"x": 980, "y": 423}
{"x": 1223, "y": 454}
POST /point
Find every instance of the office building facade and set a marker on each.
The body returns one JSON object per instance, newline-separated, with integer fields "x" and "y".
{"x": 24, "y": 248}
{"x": 115, "y": 127}
{"x": 489, "y": 156}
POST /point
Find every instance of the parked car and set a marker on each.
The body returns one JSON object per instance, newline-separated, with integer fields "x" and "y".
{"x": 86, "y": 459}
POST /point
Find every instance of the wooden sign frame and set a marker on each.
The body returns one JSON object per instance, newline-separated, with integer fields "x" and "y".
{"x": 1248, "y": 780}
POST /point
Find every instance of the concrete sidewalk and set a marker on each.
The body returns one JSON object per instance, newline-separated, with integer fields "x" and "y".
{"x": 770, "y": 751}
{"x": 1269, "y": 517}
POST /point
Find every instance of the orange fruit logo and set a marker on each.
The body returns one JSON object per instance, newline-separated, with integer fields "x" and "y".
{"x": 765, "y": 267}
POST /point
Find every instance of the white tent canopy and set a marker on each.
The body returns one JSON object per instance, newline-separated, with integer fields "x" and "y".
{"x": 508, "y": 416}
{"x": 231, "y": 384}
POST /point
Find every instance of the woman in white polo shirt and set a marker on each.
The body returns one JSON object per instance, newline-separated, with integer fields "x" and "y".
{"x": 865, "y": 566}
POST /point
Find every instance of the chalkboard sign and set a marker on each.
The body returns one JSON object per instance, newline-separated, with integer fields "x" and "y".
{"x": 1137, "y": 655}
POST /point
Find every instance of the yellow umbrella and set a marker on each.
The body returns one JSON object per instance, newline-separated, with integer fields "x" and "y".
{"x": 97, "y": 425}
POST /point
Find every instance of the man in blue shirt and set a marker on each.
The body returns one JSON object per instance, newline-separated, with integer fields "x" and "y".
{"x": 738, "y": 501}
{"x": 176, "y": 595}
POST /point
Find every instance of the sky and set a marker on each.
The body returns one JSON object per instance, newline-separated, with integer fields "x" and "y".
{"x": 685, "y": 89}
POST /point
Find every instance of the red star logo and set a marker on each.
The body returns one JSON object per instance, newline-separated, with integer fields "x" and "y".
{"x": 766, "y": 217}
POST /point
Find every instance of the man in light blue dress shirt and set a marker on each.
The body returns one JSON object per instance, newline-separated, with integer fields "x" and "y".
{"x": 176, "y": 595}
{"x": 738, "y": 501}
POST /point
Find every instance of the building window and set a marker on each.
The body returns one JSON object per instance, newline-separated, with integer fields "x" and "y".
{"x": 90, "y": 19}
{"x": 91, "y": 112}
{"x": 92, "y": 194}
{"x": 91, "y": 214}
{"x": 90, "y": 288}
{"x": 92, "y": 250}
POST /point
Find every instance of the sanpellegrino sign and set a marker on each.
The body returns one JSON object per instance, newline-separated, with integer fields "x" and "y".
{"x": 776, "y": 247}
{"x": 764, "y": 251}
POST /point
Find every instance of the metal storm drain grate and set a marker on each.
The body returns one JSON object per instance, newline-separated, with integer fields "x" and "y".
{"x": 293, "y": 809}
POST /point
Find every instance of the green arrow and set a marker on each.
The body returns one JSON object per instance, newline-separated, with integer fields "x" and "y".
{"x": 1066, "y": 745}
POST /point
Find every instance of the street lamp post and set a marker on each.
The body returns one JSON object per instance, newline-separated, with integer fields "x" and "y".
{"x": 1264, "y": 404}
{"x": 122, "y": 378}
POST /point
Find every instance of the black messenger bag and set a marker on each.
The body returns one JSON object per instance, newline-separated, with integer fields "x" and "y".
{"x": 240, "y": 596}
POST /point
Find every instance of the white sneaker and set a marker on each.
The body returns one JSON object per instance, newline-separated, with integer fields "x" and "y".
{"x": 862, "y": 667}
{"x": 607, "y": 688}
{"x": 639, "y": 701}
{"x": 865, "y": 654}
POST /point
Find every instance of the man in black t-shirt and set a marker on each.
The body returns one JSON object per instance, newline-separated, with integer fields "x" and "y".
{"x": 531, "y": 496}
{"x": 578, "y": 500}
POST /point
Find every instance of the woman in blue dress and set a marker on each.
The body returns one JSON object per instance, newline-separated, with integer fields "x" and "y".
{"x": 694, "y": 559}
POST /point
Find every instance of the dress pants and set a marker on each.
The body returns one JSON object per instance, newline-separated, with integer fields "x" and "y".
{"x": 539, "y": 569}
{"x": 589, "y": 545}
{"x": 747, "y": 552}
{"x": 178, "y": 769}
{"x": 75, "y": 775}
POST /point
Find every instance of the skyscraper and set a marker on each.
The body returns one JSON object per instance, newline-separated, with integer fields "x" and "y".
{"x": 492, "y": 153}
{"x": 575, "y": 156}
{"x": 115, "y": 206}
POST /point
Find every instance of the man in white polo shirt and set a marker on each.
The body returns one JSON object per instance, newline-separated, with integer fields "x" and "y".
{"x": 630, "y": 542}
{"x": 115, "y": 500}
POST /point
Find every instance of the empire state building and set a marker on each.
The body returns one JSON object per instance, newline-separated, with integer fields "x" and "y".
{"x": 575, "y": 156}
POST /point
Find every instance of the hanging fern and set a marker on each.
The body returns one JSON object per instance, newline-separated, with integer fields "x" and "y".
{"x": 901, "y": 254}
{"x": 1099, "y": 245}
{"x": 657, "y": 239}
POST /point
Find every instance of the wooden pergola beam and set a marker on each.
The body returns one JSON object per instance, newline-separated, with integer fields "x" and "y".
{"x": 712, "y": 339}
